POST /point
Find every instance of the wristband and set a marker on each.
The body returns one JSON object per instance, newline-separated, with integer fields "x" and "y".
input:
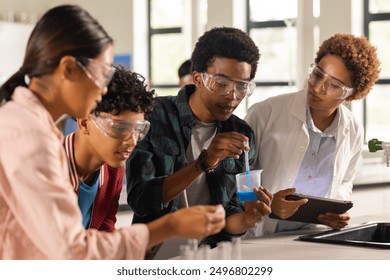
{"x": 202, "y": 164}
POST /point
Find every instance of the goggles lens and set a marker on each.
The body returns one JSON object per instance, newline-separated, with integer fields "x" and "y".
{"x": 224, "y": 86}
{"x": 330, "y": 85}
{"x": 100, "y": 73}
{"x": 122, "y": 130}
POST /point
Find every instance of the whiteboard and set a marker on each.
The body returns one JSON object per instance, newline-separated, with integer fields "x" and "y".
{"x": 13, "y": 42}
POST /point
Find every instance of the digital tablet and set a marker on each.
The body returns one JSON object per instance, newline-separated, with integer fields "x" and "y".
{"x": 368, "y": 235}
{"x": 309, "y": 212}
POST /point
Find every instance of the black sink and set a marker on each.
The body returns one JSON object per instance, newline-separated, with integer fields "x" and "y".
{"x": 371, "y": 235}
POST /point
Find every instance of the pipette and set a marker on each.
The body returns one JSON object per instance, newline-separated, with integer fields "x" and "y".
{"x": 247, "y": 171}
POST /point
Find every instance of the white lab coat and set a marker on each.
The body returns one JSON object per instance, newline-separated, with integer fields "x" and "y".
{"x": 281, "y": 137}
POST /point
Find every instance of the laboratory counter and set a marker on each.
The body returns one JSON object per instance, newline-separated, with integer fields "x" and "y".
{"x": 287, "y": 246}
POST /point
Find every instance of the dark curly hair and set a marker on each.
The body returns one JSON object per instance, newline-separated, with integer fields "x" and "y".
{"x": 224, "y": 42}
{"x": 359, "y": 57}
{"x": 126, "y": 92}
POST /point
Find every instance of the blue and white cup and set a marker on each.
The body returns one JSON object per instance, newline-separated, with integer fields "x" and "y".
{"x": 246, "y": 182}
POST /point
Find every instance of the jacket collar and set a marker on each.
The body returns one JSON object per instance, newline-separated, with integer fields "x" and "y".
{"x": 186, "y": 116}
{"x": 298, "y": 110}
{"x": 74, "y": 176}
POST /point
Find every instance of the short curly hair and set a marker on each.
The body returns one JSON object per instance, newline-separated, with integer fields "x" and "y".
{"x": 126, "y": 92}
{"x": 360, "y": 58}
{"x": 226, "y": 42}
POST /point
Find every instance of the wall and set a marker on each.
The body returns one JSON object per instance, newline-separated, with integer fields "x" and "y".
{"x": 115, "y": 16}
{"x": 370, "y": 201}
{"x": 12, "y": 52}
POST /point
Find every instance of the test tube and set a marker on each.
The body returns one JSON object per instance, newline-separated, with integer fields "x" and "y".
{"x": 203, "y": 252}
{"x": 224, "y": 251}
{"x": 186, "y": 253}
{"x": 193, "y": 243}
{"x": 236, "y": 248}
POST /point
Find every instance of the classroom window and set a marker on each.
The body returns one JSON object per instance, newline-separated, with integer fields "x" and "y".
{"x": 166, "y": 43}
{"x": 376, "y": 109}
{"x": 169, "y": 26}
{"x": 273, "y": 30}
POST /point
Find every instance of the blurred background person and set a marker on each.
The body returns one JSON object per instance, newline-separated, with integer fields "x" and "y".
{"x": 184, "y": 73}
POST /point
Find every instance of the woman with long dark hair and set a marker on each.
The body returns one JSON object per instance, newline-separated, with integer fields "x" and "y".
{"x": 66, "y": 69}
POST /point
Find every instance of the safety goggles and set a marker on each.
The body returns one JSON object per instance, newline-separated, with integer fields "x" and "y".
{"x": 330, "y": 85}
{"x": 224, "y": 86}
{"x": 122, "y": 130}
{"x": 100, "y": 73}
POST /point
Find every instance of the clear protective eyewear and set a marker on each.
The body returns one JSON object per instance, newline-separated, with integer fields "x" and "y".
{"x": 224, "y": 86}
{"x": 122, "y": 130}
{"x": 100, "y": 73}
{"x": 330, "y": 85}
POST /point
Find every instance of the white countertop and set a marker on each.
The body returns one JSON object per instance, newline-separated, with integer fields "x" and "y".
{"x": 287, "y": 246}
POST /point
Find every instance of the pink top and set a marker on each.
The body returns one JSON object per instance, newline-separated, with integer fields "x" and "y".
{"x": 39, "y": 214}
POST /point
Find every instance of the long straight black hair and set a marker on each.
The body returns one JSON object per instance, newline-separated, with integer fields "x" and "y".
{"x": 63, "y": 30}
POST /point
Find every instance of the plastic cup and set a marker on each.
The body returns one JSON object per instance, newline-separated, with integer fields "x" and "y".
{"x": 245, "y": 183}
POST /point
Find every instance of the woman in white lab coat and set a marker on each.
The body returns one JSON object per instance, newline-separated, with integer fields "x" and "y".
{"x": 306, "y": 141}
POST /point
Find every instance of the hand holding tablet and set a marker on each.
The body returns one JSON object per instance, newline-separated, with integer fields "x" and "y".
{"x": 315, "y": 206}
